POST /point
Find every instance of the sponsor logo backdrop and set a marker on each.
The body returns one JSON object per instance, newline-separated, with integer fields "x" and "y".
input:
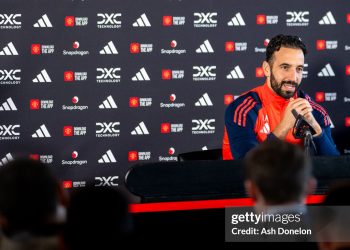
{"x": 92, "y": 87}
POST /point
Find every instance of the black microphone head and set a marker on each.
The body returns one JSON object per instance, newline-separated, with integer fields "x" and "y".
{"x": 295, "y": 113}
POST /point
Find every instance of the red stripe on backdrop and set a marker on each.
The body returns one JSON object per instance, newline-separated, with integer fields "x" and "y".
{"x": 204, "y": 204}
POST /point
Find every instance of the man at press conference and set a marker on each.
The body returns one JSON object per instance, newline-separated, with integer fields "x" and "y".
{"x": 270, "y": 111}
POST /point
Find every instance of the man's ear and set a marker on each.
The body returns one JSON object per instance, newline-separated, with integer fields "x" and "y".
{"x": 266, "y": 68}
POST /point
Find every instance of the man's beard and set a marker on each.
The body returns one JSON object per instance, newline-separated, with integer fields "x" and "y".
{"x": 277, "y": 87}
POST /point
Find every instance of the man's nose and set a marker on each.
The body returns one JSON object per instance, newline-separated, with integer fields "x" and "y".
{"x": 293, "y": 75}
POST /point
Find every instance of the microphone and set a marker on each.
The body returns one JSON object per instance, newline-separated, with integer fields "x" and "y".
{"x": 302, "y": 129}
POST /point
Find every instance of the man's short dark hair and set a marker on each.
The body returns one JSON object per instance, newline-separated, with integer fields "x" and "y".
{"x": 28, "y": 195}
{"x": 280, "y": 171}
{"x": 285, "y": 41}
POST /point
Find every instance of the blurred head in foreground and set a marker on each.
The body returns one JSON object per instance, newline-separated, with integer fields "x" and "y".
{"x": 97, "y": 218}
{"x": 29, "y": 198}
{"x": 278, "y": 173}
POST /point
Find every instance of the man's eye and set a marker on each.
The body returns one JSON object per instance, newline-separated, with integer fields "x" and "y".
{"x": 300, "y": 69}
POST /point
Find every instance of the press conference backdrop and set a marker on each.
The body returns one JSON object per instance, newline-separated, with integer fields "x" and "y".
{"x": 93, "y": 87}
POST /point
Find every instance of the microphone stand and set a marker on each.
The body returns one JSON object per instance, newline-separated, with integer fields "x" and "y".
{"x": 303, "y": 130}
{"x": 308, "y": 140}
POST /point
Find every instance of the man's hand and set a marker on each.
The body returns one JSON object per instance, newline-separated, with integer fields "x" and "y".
{"x": 302, "y": 107}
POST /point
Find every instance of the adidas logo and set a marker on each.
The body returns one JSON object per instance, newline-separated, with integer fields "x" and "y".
{"x": 8, "y": 157}
{"x": 142, "y": 21}
{"x": 8, "y": 105}
{"x": 204, "y": 101}
{"x": 41, "y": 132}
{"x": 236, "y": 73}
{"x": 140, "y": 129}
{"x": 108, "y": 157}
{"x": 42, "y": 77}
{"x": 108, "y": 103}
{"x": 141, "y": 76}
{"x": 205, "y": 48}
{"x": 326, "y": 71}
{"x": 109, "y": 49}
{"x": 9, "y": 50}
{"x": 265, "y": 129}
{"x": 237, "y": 20}
{"x": 43, "y": 22}
{"x": 328, "y": 19}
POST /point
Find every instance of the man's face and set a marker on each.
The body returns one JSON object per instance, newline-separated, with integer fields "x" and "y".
{"x": 286, "y": 71}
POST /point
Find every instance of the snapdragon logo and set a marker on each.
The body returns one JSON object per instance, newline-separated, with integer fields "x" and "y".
{"x": 108, "y": 75}
{"x": 261, "y": 49}
{"x": 173, "y": 45}
{"x": 172, "y": 103}
{"x": 204, "y": 73}
{"x": 170, "y": 156}
{"x": 109, "y": 21}
{"x": 75, "y": 52}
{"x": 10, "y": 77}
{"x": 75, "y": 100}
{"x": 205, "y": 20}
{"x": 74, "y": 161}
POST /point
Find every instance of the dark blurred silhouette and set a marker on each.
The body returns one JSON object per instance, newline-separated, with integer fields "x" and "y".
{"x": 97, "y": 218}
{"x": 278, "y": 178}
{"x": 30, "y": 206}
{"x": 334, "y": 231}
{"x": 278, "y": 173}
